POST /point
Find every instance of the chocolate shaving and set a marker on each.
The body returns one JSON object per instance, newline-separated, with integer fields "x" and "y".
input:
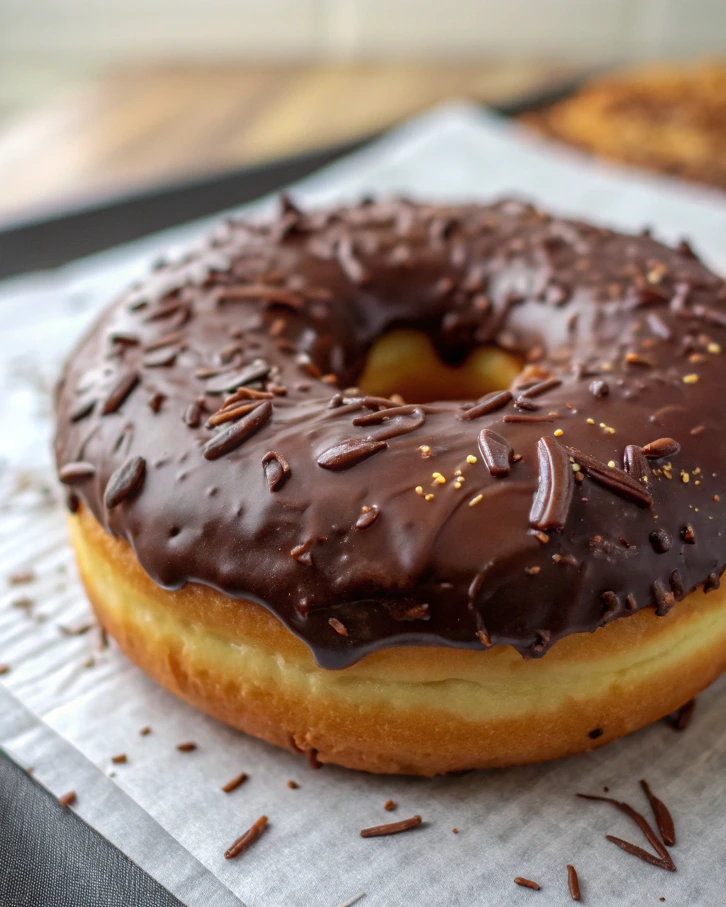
{"x": 535, "y": 390}
{"x": 367, "y": 518}
{"x": 661, "y": 813}
{"x": 245, "y": 841}
{"x": 612, "y": 477}
{"x": 82, "y": 409}
{"x": 496, "y": 452}
{"x": 658, "y": 327}
{"x": 662, "y": 447}
{"x": 230, "y": 438}
{"x": 392, "y": 828}
{"x": 68, "y": 799}
{"x": 551, "y": 502}
{"x": 663, "y": 860}
{"x": 161, "y": 357}
{"x": 231, "y": 413}
{"x": 193, "y": 414}
{"x": 349, "y": 453}
{"x": 125, "y": 482}
{"x": 119, "y": 392}
{"x": 681, "y": 718}
{"x": 489, "y": 404}
{"x": 641, "y": 854}
{"x": 235, "y": 783}
{"x": 573, "y": 883}
{"x": 527, "y": 883}
{"x": 350, "y": 265}
{"x": 523, "y": 417}
{"x": 75, "y": 472}
{"x": 229, "y": 381}
{"x": 276, "y": 468}
{"x": 268, "y": 294}
{"x": 120, "y": 759}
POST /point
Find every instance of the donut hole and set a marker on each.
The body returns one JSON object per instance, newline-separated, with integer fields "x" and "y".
{"x": 405, "y": 362}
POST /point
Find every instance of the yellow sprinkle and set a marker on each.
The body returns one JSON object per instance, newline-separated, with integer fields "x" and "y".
{"x": 575, "y": 467}
{"x": 428, "y": 497}
{"x": 471, "y": 459}
{"x": 365, "y": 508}
{"x": 714, "y": 348}
{"x": 697, "y": 471}
{"x": 425, "y": 449}
{"x": 457, "y": 484}
{"x": 603, "y": 425}
{"x": 558, "y": 433}
{"x": 612, "y": 464}
{"x": 419, "y": 489}
{"x": 438, "y": 478}
{"x": 685, "y": 478}
{"x": 609, "y": 430}
{"x": 457, "y": 472}
{"x": 477, "y": 500}
{"x": 590, "y": 421}
{"x": 690, "y": 379}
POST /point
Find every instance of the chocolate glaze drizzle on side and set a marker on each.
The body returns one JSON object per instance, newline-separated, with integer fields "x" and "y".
{"x": 214, "y": 413}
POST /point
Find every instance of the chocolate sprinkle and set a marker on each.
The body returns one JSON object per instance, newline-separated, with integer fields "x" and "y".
{"x": 276, "y": 468}
{"x": 496, "y": 451}
{"x": 527, "y": 883}
{"x": 552, "y": 501}
{"x": 349, "y": 453}
{"x": 68, "y": 799}
{"x": 393, "y": 828}
{"x": 612, "y": 477}
{"x": 663, "y": 447}
{"x": 125, "y": 482}
{"x": 75, "y": 472}
{"x": 663, "y": 860}
{"x": 681, "y": 718}
{"x": 235, "y": 783}
{"x": 245, "y": 841}
{"x": 489, "y": 404}
{"x": 573, "y": 883}
{"x": 661, "y": 813}
{"x": 229, "y": 439}
{"x": 186, "y": 747}
{"x": 635, "y": 463}
{"x": 119, "y": 392}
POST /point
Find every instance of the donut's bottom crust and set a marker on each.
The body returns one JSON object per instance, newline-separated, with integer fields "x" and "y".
{"x": 403, "y": 710}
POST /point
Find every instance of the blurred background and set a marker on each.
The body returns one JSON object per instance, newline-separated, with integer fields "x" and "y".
{"x": 103, "y": 96}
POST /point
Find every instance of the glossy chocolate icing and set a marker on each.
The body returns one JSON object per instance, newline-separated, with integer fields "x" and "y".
{"x": 302, "y": 493}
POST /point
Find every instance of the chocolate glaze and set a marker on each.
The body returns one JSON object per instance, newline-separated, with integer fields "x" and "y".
{"x": 272, "y": 511}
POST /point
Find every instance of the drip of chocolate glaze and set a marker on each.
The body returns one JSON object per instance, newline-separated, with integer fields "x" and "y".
{"x": 285, "y": 313}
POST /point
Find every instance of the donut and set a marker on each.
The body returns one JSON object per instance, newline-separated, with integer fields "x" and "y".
{"x": 665, "y": 117}
{"x": 409, "y": 488}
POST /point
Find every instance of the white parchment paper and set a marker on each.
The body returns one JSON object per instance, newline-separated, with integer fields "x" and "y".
{"x": 67, "y": 707}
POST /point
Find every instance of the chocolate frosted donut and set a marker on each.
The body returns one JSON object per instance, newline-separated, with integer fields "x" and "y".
{"x": 214, "y": 439}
